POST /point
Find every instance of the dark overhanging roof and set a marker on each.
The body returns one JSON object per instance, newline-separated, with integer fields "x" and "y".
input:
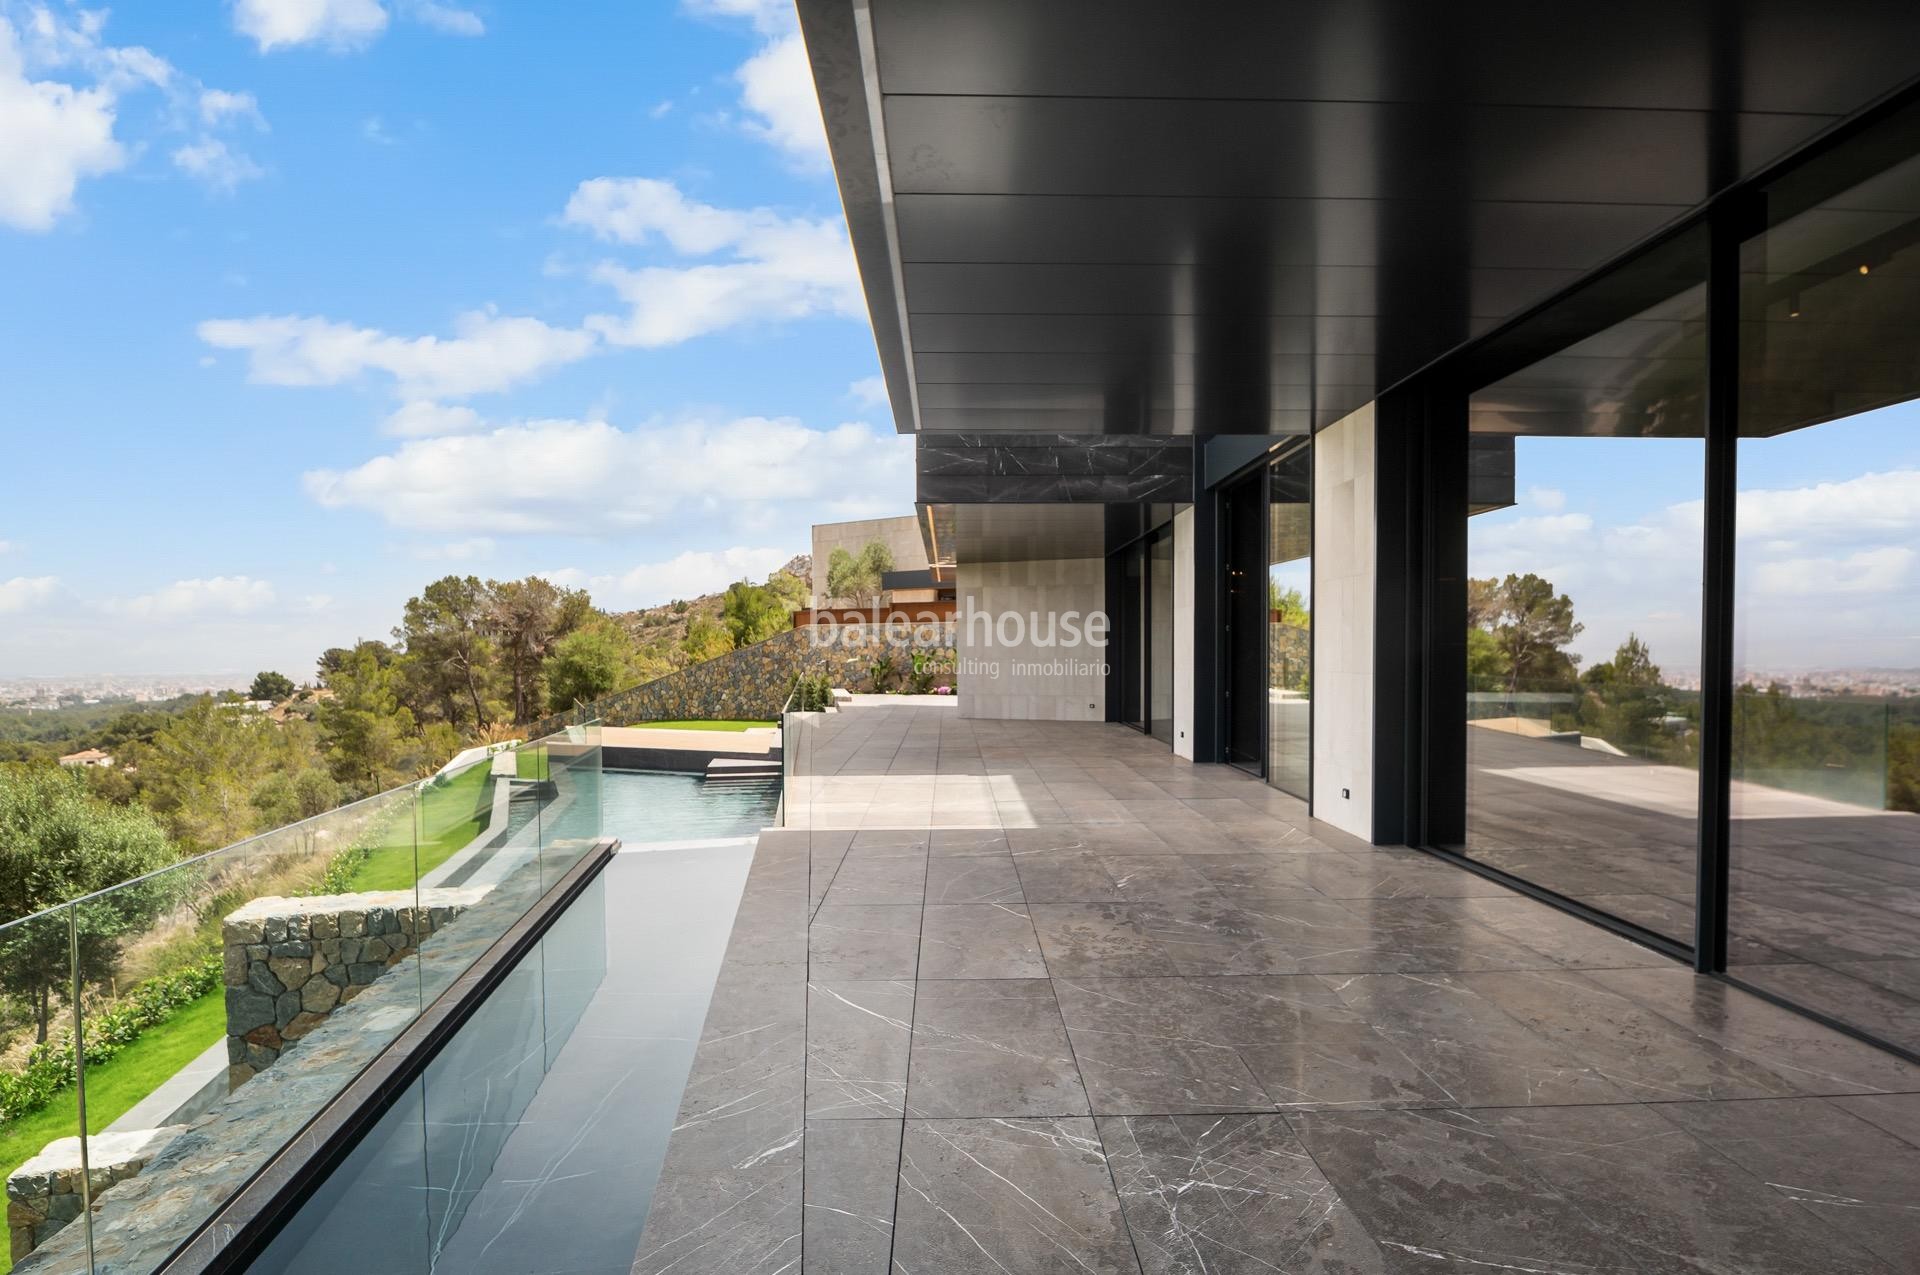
{"x": 1123, "y": 216}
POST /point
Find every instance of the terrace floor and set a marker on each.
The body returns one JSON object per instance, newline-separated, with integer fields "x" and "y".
{"x": 1034, "y": 997}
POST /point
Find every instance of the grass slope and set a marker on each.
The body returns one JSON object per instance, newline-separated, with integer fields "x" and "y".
{"x": 450, "y": 816}
{"x": 115, "y": 1086}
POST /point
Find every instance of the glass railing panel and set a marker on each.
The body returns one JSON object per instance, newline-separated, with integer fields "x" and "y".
{"x": 480, "y": 1164}
{"x": 225, "y": 1000}
{"x": 41, "y": 1142}
{"x": 479, "y": 861}
{"x": 570, "y": 813}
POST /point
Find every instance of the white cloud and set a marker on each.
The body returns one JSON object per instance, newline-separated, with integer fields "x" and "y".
{"x": 869, "y": 391}
{"x": 689, "y": 575}
{"x": 340, "y": 25}
{"x": 6, "y": 546}
{"x": 592, "y": 478}
{"x": 213, "y": 162}
{"x": 1546, "y": 499}
{"x": 23, "y": 593}
{"x": 1868, "y": 571}
{"x": 776, "y": 88}
{"x": 424, "y": 419}
{"x": 52, "y": 135}
{"x": 218, "y": 107}
{"x": 769, "y": 17}
{"x": 488, "y": 352}
{"x": 782, "y": 267}
{"x": 445, "y": 18}
{"x": 217, "y": 595}
{"x": 1873, "y": 504}
{"x": 374, "y": 129}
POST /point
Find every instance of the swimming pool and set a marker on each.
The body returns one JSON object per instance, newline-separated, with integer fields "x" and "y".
{"x": 644, "y": 807}
{"x": 532, "y": 1144}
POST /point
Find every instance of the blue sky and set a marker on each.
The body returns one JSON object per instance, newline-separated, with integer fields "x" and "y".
{"x": 1828, "y": 545}
{"x": 310, "y": 301}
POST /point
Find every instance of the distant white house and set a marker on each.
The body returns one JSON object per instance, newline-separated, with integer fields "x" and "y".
{"x": 87, "y": 757}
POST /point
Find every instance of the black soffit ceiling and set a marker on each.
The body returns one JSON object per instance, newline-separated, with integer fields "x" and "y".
{"x": 1116, "y": 216}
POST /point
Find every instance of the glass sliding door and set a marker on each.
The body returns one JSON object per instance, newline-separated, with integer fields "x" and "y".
{"x": 1290, "y": 621}
{"x": 1160, "y": 636}
{"x": 1825, "y": 837}
{"x": 1130, "y": 636}
{"x": 1584, "y": 601}
{"x": 1243, "y": 630}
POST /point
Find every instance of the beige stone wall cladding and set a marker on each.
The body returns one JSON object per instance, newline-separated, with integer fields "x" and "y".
{"x": 900, "y": 535}
{"x": 289, "y": 963}
{"x": 752, "y": 683}
{"x": 44, "y": 1194}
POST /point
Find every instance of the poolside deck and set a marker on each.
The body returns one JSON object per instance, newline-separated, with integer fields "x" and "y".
{"x": 1032, "y": 997}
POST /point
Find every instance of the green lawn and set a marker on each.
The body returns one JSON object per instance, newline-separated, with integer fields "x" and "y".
{"x": 728, "y": 725}
{"x": 451, "y": 814}
{"x": 116, "y": 1085}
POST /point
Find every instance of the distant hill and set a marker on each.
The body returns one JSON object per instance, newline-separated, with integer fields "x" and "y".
{"x": 666, "y": 625}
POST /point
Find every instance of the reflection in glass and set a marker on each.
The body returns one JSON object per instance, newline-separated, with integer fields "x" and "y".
{"x": 1290, "y": 621}
{"x": 1825, "y": 906}
{"x": 1160, "y": 636}
{"x": 1583, "y": 640}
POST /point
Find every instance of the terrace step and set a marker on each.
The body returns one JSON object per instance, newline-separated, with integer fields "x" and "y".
{"x": 740, "y": 770}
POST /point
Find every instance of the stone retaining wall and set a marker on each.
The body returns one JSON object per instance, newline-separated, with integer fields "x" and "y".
{"x": 289, "y": 963}
{"x": 44, "y": 1194}
{"x": 752, "y": 683}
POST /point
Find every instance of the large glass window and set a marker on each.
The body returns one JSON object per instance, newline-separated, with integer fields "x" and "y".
{"x": 1290, "y": 620}
{"x": 1825, "y": 844}
{"x": 1583, "y": 641}
{"x": 1160, "y": 636}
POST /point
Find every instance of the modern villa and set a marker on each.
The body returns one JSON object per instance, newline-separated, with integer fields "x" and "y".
{"x": 1387, "y": 474}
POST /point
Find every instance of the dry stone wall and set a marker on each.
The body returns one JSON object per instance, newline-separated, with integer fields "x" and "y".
{"x": 44, "y": 1194}
{"x": 289, "y": 963}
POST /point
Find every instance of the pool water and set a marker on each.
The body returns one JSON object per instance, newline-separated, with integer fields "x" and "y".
{"x": 643, "y": 807}
{"x": 533, "y": 1143}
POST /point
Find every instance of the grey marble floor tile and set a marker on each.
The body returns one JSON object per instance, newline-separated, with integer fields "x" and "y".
{"x": 1235, "y": 1196}
{"x": 891, "y": 839}
{"x": 1157, "y": 878}
{"x": 852, "y": 1172}
{"x": 1029, "y": 1196}
{"x": 991, "y": 1047}
{"x": 1478, "y": 1055}
{"x": 1897, "y": 1113}
{"x": 858, "y": 1035}
{"x": 729, "y": 1194}
{"x": 1336, "y": 1067}
{"x": 1407, "y": 874}
{"x": 974, "y": 879}
{"x": 949, "y": 842}
{"x": 1438, "y": 1192}
{"x": 1854, "y": 1175}
{"x": 864, "y": 942}
{"x": 1810, "y": 1057}
{"x": 1646, "y": 1056}
{"x": 879, "y": 876}
{"x": 1064, "y": 876}
{"x": 1671, "y": 1201}
{"x": 1248, "y": 877}
{"x": 1214, "y": 1011}
{"x": 979, "y": 940}
{"x": 1269, "y": 936}
{"x": 1098, "y": 939}
{"x": 1129, "y": 1074}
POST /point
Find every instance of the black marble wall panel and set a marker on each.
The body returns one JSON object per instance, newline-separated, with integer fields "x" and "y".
{"x": 1489, "y": 472}
{"x": 1052, "y": 469}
